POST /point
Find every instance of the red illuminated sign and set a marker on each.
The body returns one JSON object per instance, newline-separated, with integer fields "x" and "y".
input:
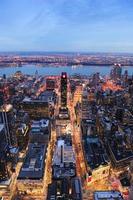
{"x": 89, "y": 179}
{"x": 64, "y": 76}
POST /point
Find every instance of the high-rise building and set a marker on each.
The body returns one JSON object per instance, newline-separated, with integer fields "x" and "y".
{"x": 36, "y": 108}
{"x": 119, "y": 114}
{"x": 96, "y": 79}
{"x": 116, "y": 72}
{"x": 4, "y": 92}
{"x": 7, "y": 117}
{"x": 126, "y": 77}
{"x": 3, "y": 147}
{"x": 64, "y": 89}
{"x": 50, "y": 84}
{"x": 1, "y": 98}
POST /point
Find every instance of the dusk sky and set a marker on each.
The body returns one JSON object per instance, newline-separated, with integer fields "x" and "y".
{"x": 66, "y": 25}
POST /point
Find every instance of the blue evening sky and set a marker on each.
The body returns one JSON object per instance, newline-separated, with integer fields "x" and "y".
{"x": 66, "y": 25}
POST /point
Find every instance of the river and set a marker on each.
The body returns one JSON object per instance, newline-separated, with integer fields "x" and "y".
{"x": 53, "y": 70}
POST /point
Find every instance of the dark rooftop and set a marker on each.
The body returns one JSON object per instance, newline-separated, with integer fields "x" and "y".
{"x": 108, "y": 195}
{"x": 119, "y": 149}
{"x": 33, "y": 166}
{"x": 125, "y": 182}
{"x": 95, "y": 152}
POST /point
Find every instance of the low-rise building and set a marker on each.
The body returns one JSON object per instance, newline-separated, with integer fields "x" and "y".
{"x": 40, "y": 131}
{"x": 108, "y": 195}
{"x": 65, "y": 189}
{"x": 120, "y": 153}
{"x": 96, "y": 158}
{"x": 58, "y": 190}
{"x": 50, "y": 83}
{"x": 31, "y": 177}
{"x": 64, "y": 163}
{"x": 36, "y": 108}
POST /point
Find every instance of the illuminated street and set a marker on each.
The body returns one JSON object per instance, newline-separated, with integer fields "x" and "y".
{"x": 66, "y": 100}
{"x": 76, "y": 134}
{"x": 48, "y": 169}
{"x": 68, "y": 144}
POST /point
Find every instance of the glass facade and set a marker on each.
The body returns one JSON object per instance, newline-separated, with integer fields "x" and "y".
{"x": 64, "y": 89}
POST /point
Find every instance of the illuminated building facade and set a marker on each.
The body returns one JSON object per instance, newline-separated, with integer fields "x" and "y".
{"x": 7, "y": 117}
{"x": 64, "y": 162}
{"x": 1, "y": 98}
{"x": 78, "y": 94}
{"x": 65, "y": 189}
{"x": 50, "y": 84}
{"x": 22, "y": 135}
{"x": 116, "y": 72}
{"x": 40, "y": 131}
{"x": 114, "y": 195}
{"x": 64, "y": 89}
{"x": 31, "y": 177}
{"x": 3, "y": 146}
{"x": 96, "y": 158}
{"x": 36, "y": 108}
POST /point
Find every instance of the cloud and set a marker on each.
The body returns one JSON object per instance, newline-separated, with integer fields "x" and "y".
{"x": 65, "y": 24}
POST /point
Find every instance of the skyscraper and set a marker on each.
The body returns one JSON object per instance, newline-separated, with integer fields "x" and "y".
{"x": 1, "y": 97}
{"x": 3, "y": 147}
{"x": 50, "y": 84}
{"x": 96, "y": 78}
{"x": 116, "y": 72}
{"x": 64, "y": 89}
{"x": 7, "y": 117}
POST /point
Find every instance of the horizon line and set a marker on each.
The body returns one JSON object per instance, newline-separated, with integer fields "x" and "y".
{"x": 60, "y": 52}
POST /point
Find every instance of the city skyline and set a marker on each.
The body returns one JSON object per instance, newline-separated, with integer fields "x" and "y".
{"x": 66, "y": 100}
{"x": 66, "y": 137}
{"x": 66, "y": 26}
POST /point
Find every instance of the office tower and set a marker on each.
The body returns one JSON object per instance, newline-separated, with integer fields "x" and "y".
{"x": 36, "y": 108}
{"x": 116, "y": 72}
{"x": 119, "y": 114}
{"x": 3, "y": 147}
{"x": 126, "y": 77}
{"x": 12, "y": 90}
{"x": 96, "y": 79}
{"x": 64, "y": 89}
{"x": 4, "y": 91}
{"x": 36, "y": 74}
{"x": 130, "y": 87}
{"x": 50, "y": 84}
{"x": 7, "y": 117}
{"x": 1, "y": 98}
{"x": 4, "y": 76}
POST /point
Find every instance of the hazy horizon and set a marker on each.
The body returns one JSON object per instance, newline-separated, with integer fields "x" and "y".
{"x": 66, "y": 52}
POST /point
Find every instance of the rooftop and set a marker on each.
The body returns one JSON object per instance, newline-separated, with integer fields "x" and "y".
{"x": 95, "y": 152}
{"x": 43, "y": 123}
{"x": 107, "y": 195}
{"x": 6, "y": 108}
{"x": 33, "y": 166}
{"x": 63, "y": 152}
{"x": 125, "y": 182}
{"x": 121, "y": 152}
{"x": 27, "y": 100}
{"x": 64, "y": 158}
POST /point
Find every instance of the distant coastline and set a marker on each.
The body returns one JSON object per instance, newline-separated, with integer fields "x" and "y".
{"x": 65, "y": 59}
{"x": 59, "y": 65}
